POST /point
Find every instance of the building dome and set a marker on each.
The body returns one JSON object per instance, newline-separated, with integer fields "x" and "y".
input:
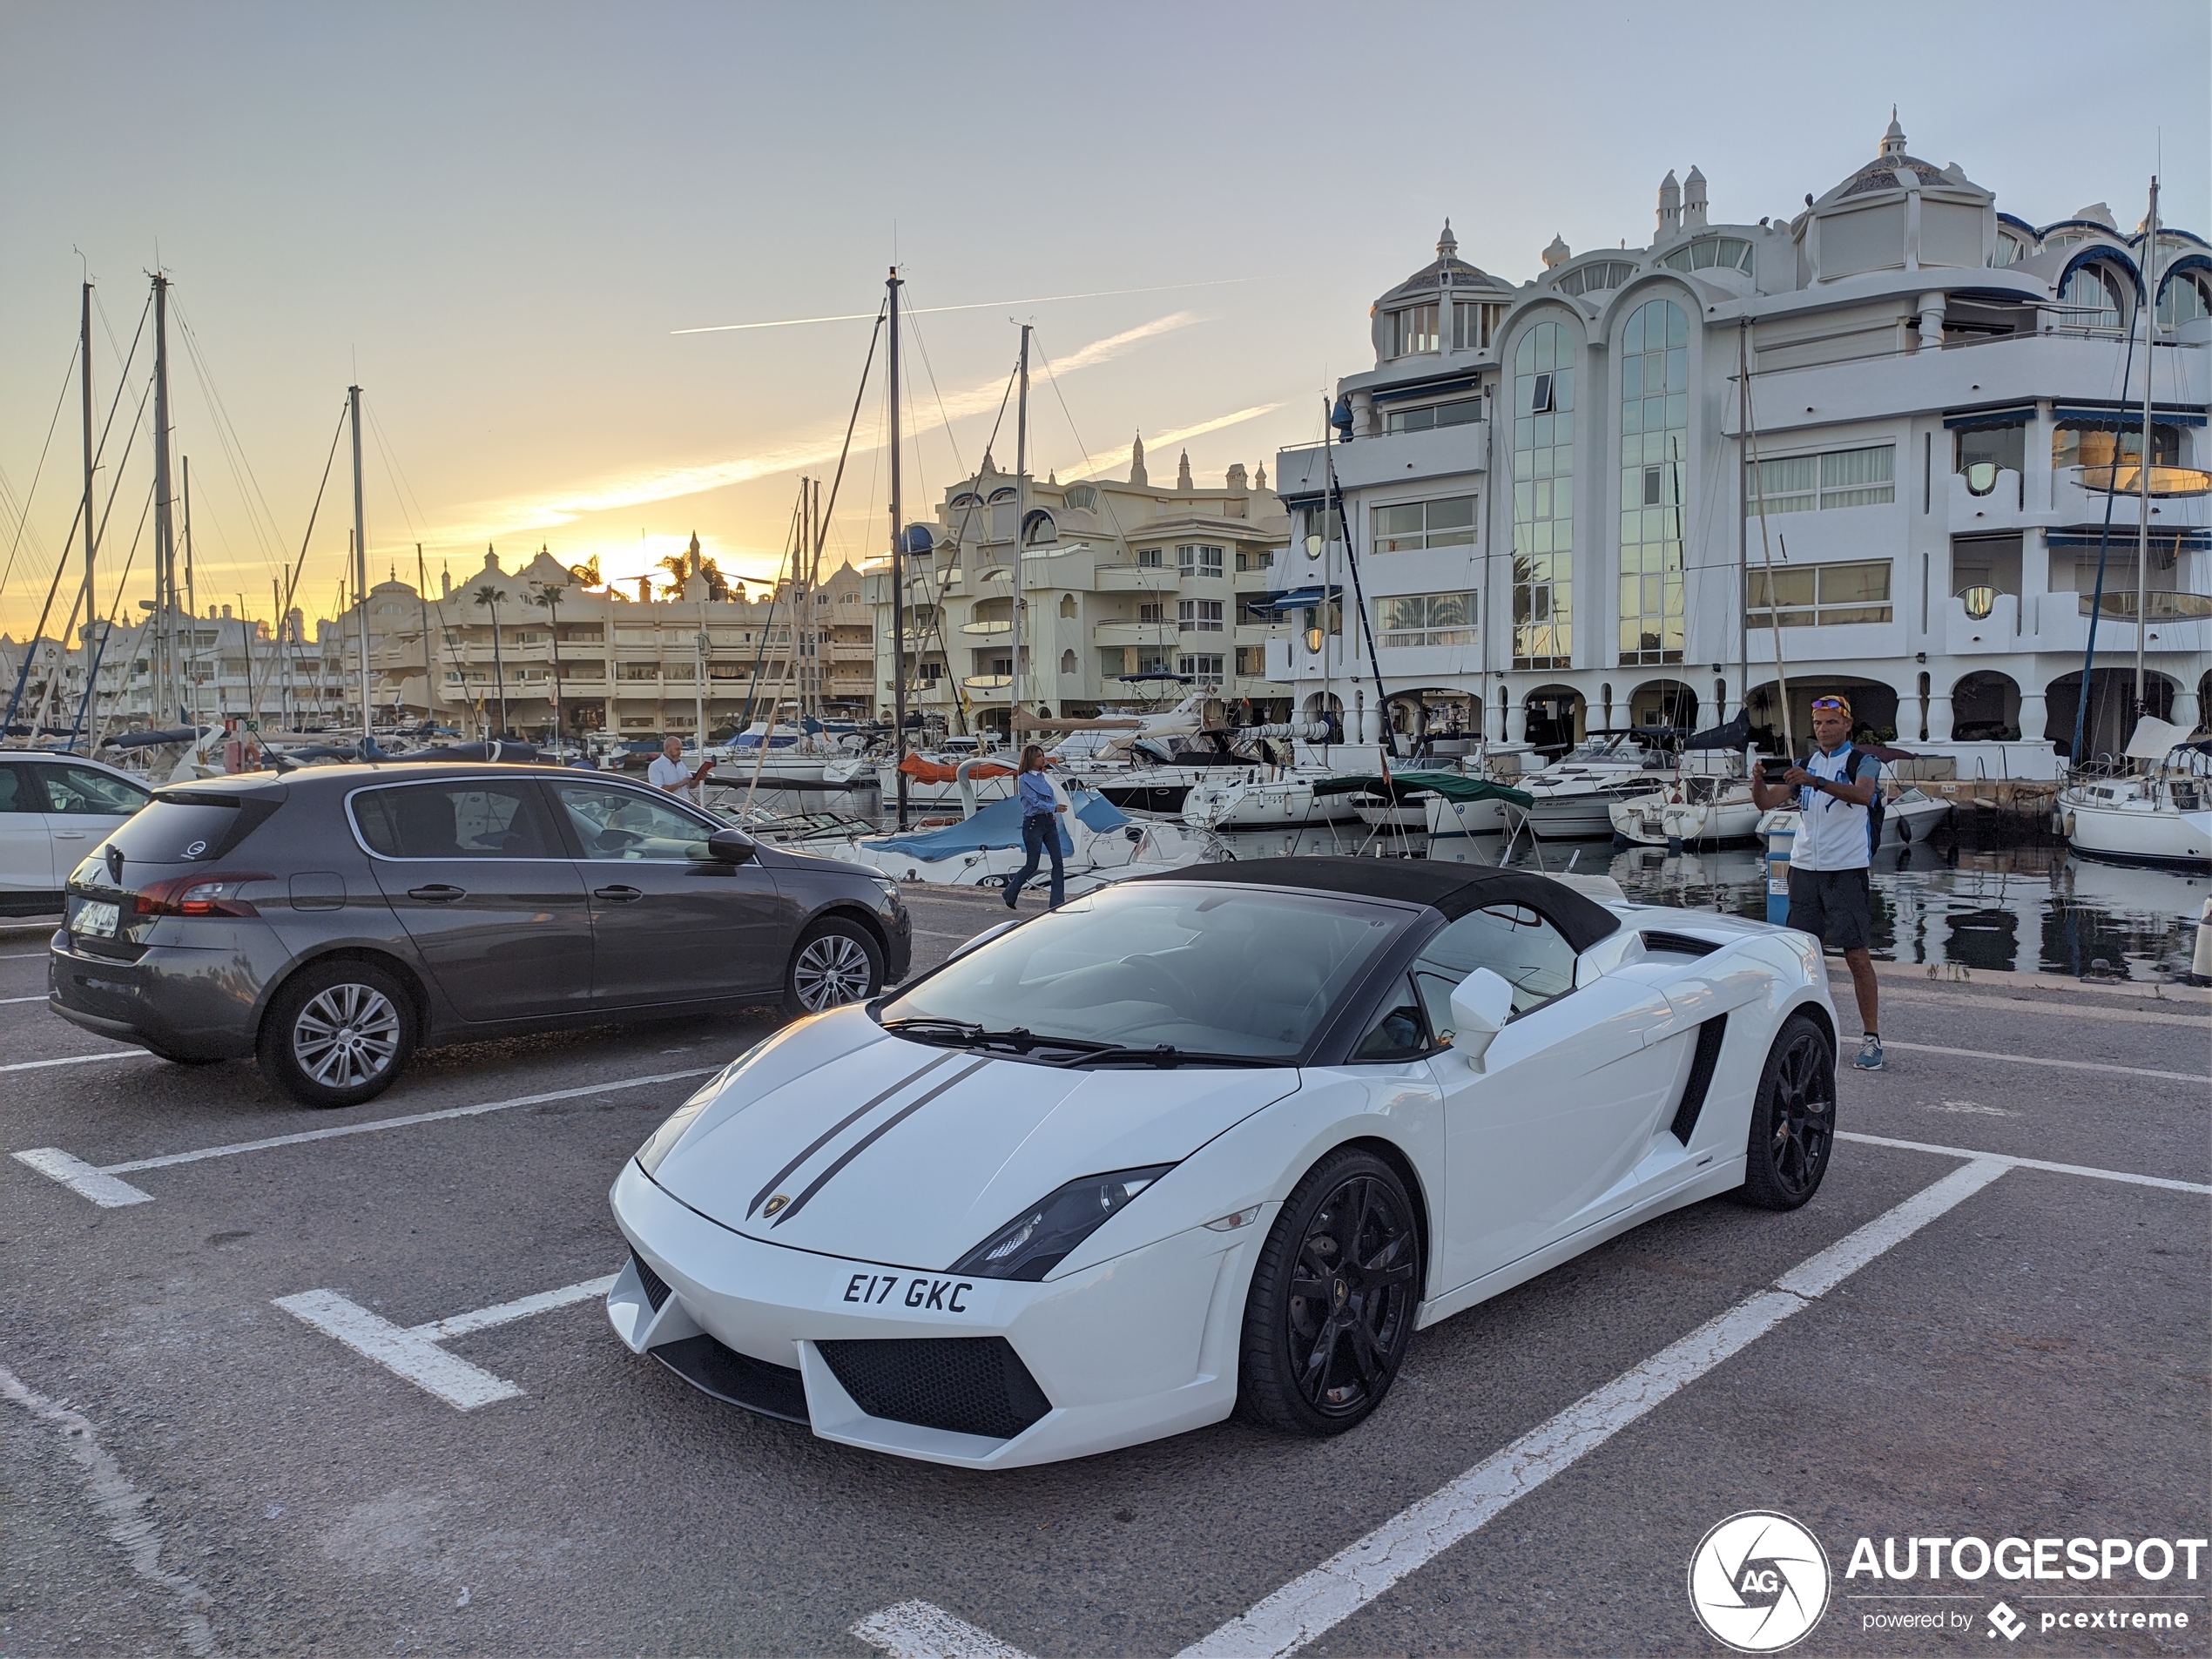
{"x": 1447, "y": 270}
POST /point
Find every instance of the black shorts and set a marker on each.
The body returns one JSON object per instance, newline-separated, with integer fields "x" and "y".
{"x": 1833, "y": 906}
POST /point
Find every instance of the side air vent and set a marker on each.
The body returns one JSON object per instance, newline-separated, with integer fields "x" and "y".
{"x": 965, "y": 1385}
{"x": 1678, "y": 944}
{"x": 655, "y": 1287}
{"x": 1701, "y": 1075}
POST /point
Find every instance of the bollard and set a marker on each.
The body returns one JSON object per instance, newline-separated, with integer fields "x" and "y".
{"x": 2200, "y": 968}
{"x": 1777, "y": 875}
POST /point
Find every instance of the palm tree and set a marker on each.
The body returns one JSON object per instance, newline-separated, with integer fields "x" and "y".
{"x": 550, "y": 594}
{"x": 489, "y": 596}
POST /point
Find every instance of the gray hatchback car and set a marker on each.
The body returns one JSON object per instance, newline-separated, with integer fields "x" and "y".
{"x": 332, "y": 920}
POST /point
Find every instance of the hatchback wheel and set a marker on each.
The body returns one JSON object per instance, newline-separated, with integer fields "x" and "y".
{"x": 835, "y": 962}
{"x": 338, "y": 1034}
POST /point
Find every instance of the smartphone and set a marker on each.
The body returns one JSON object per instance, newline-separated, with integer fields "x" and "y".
{"x": 1776, "y": 773}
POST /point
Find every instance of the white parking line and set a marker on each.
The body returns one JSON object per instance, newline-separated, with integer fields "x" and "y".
{"x": 2038, "y": 1059}
{"x": 5, "y": 1000}
{"x": 918, "y": 1630}
{"x": 98, "y": 1182}
{"x": 78, "y": 1060}
{"x": 2029, "y": 1163}
{"x": 1314, "y": 1602}
{"x": 412, "y": 1352}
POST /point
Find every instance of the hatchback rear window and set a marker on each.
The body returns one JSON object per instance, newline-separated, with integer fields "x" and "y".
{"x": 190, "y": 828}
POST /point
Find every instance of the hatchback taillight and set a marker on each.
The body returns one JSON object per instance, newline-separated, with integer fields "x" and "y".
{"x": 212, "y": 894}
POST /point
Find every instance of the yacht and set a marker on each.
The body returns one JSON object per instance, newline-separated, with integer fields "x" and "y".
{"x": 1574, "y": 796}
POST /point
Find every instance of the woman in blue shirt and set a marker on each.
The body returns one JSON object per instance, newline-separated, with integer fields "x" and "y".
{"x": 1040, "y": 827}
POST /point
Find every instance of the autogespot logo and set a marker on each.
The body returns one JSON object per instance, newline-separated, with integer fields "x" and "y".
{"x": 1758, "y": 1581}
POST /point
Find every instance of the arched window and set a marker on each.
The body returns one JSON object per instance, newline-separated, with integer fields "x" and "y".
{"x": 1038, "y": 530}
{"x": 1543, "y": 498}
{"x": 1655, "y": 431}
{"x": 2089, "y": 299}
{"x": 1068, "y": 662}
{"x": 2185, "y": 296}
{"x": 1082, "y": 498}
{"x": 1067, "y": 607}
{"x": 1597, "y": 276}
{"x": 1709, "y": 252}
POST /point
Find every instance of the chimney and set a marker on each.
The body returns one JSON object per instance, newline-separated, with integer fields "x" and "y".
{"x": 1693, "y": 200}
{"x": 1669, "y": 206}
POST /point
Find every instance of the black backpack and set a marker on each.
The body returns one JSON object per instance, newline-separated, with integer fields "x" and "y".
{"x": 1859, "y": 763}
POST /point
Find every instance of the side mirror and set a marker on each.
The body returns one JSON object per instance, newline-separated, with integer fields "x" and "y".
{"x": 1481, "y": 1007}
{"x": 730, "y": 846}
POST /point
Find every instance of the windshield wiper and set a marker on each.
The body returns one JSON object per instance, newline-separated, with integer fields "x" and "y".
{"x": 1165, "y": 1055}
{"x": 965, "y": 1033}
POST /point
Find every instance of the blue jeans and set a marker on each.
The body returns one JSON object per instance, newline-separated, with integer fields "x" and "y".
{"x": 1040, "y": 835}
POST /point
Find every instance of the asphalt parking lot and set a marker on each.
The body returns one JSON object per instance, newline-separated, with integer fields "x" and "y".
{"x": 2003, "y": 1331}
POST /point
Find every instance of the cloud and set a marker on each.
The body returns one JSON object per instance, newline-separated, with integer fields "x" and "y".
{"x": 520, "y": 515}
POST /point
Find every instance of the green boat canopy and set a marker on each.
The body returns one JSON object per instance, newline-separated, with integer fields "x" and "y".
{"x": 1451, "y": 785}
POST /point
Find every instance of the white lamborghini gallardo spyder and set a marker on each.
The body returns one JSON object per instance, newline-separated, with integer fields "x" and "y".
{"x": 1215, "y": 1140}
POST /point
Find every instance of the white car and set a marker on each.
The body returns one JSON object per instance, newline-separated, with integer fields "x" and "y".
{"x": 54, "y": 809}
{"x": 1215, "y": 1139}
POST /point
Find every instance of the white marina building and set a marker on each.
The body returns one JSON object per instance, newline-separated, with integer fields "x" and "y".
{"x": 1551, "y": 493}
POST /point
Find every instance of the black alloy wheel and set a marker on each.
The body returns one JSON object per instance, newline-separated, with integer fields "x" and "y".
{"x": 1332, "y": 1300}
{"x": 1793, "y": 1119}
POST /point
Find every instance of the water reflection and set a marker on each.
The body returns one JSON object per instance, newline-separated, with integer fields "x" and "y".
{"x": 2034, "y": 909}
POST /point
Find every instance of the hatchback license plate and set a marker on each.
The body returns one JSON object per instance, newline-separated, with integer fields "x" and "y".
{"x": 95, "y": 918}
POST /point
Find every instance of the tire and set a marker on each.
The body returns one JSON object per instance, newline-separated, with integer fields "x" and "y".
{"x": 835, "y": 962}
{"x": 1322, "y": 1345}
{"x": 1793, "y": 1118}
{"x": 337, "y": 1033}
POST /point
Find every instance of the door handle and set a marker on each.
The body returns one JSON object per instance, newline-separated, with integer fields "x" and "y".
{"x": 70, "y": 835}
{"x": 438, "y": 893}
{"x": 618, "y": 895}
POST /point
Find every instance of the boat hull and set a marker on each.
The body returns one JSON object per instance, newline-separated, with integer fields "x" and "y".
{"x": 2138, "y": 833}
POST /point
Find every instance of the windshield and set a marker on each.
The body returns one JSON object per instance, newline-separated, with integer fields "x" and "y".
{"x": 1242, "y": 973}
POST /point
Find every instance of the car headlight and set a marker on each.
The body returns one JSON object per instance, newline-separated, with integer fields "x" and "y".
{"x": 1038, "y": 1239}
{"x": 663, "y": 1140}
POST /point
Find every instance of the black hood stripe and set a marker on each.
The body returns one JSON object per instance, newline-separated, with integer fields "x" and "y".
{"x": 872, "y": 1137}
{"x": 838, "y": 1128}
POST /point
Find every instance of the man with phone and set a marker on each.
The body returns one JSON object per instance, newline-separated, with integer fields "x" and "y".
{"x": 667, "y": 771}
{"x": 1834, "y": 792}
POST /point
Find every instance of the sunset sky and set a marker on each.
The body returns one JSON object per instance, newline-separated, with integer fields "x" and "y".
{"x": 502, "y": 219}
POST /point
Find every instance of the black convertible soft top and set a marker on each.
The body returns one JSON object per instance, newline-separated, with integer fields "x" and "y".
{"x": 1452, "y": 890}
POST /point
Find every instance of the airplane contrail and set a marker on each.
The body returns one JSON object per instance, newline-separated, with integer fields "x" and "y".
{"x": 980, "y": 305}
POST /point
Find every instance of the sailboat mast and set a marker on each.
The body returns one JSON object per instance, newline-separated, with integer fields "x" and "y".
{"x": 1021, "y": 515}
{"x": 1743, "y": 519}
{"x": 91, "y": 540}
{"x": 192, "y": 610}
{"x": 361, "y": 568}
{"x": 2143, "y": 462}
{"x": 898, "y": 568}
{"x": 164, "y": 537}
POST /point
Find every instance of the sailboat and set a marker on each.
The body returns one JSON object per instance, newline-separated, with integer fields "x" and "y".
{"x": 2161, "y": 815}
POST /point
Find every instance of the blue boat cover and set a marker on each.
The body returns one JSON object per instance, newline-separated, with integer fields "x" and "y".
{"x": 999, "y": 825}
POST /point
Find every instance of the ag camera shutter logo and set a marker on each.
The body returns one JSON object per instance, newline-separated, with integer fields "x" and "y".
{"x": 1758, "y": 1581}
